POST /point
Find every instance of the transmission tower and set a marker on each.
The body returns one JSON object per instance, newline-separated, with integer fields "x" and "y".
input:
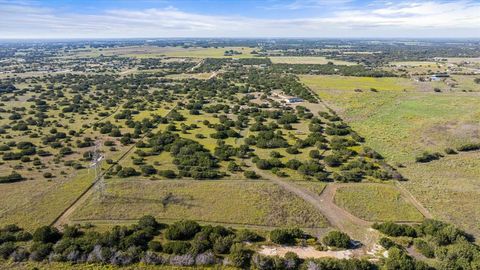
{"x": 97, "y": 160}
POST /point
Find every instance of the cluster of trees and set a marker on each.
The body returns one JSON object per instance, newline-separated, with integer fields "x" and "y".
{"x": 186, "y": 244}
{"x": 191, "y": 158}
{"x": 452, "y": 247}
{"x": 331, "y": 69}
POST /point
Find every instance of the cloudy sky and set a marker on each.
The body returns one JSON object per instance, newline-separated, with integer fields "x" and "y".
{"x": 238, "y": 18}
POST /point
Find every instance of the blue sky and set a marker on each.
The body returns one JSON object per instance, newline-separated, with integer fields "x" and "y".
{"x": 239, "y": 18}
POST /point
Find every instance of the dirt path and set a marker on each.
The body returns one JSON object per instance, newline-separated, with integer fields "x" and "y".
{"x": 411, "y": 199}
{"x": 337, "y": 217}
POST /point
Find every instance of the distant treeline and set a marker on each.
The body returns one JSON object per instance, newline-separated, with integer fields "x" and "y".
{"x": 332, "y": 69}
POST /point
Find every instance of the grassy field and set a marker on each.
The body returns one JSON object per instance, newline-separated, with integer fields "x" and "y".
{"x": 334, "y": 82}
{"x": 401, "y": 125}
{"x": 33, "y": 203}
{"x": 200, "y": 76}
{"x": 449, "y": 188}
{"x": 153, "y": 52}
{"x": 307, "y": 60}
{"x": 223, "y": 201}
{"x": 376, "y": 202}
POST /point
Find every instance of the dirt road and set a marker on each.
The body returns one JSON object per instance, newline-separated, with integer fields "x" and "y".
{"x": 337, "y": 217}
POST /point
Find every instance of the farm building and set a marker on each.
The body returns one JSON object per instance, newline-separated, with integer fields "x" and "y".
{"x": 293, "y": 100}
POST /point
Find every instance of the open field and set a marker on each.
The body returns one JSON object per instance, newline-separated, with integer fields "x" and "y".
{"x": 376, "y": 202}
{"x": 402, "y": 125}
{"x": 155, "y": 52}
{"x": 307, "y": 60}
{"x": 333, "y": 82}
{"x": 249, "y": 203}
{"x": 34, "y": 203}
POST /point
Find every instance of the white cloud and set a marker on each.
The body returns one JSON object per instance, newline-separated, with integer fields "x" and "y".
{"x": 380, "y": 19}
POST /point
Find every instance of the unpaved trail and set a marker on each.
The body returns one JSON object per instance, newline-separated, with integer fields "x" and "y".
{"x": 324, "y": 203}
{"x": 411, "y": 199}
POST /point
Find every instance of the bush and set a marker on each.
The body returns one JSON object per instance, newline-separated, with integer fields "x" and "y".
{"x": 450, "y": 151}
{"x": 337, "y": 239}
{"x": 179, "y": 248}
{"x": 155, "y": 246}
{"x": 387, "y": 243}
{"x": 424, "y": 248}
{"x": 250, "y": 175}
{"x": 395, "y": 230}
{"x": 46, "y": 234}
{"x": 148, "y": 221}
{"x": 6, "y": 249}
{"x": 427, "y": 157}
{"x": 245, "y": 235}
{"x": 13, "y": 177}
{"x": 285, "y": 236}
{"x": 182, "y": 230}
{"x": 239, "y": 257}
{"x": 167, "y": 174}
{"x": 469, "y": 147}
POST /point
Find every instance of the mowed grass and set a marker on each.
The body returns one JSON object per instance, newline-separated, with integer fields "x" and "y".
{"x": 334, "y": 82}
{"x": 234, "y": 202}
{"x": 376, "y": 202}
{"x": 307, "y": 60}
{"x": 400, "y": 125}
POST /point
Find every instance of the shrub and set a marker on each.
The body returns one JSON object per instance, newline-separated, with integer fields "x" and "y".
{"x": 39, "y": 251}
{"x": 6, "y": 249}
{"x": 387, "y": 243}
{"x": 46, "y": 234}
{"x": 182, "y": 230}
{"x": 337, "y": 239}
{"x": 333, "y": 160}
{"x": 469, "y": 147}
{"x": 245, "y": 235}
{"x": 239, "y": 256}
{"x": 13, "y": 177}
{"x": 293, "y": 164}
{"x": 285, "y": 236}
{"x": 250, "y": 175}
{"x": 167, "y": 174}
{"x": 424, "y": 248}
{"x": 427, "y": 157}
{"x": 222, "y": 245}
{"x": 395, "y": 230}
{"x": 450, "y": 151}
{"x": 177, "y": 247}
{"x": 155, "y": 246}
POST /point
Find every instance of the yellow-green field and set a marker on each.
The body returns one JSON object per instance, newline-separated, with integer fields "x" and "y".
{"x": 34, "y": 203}
{"x": 334, "y": 82}
{"x": 376, "y": 202}
{"x": 400, "y": 125}
{"x": 153, "y": 52}
{"x": 200, "y": 76}
{"x": 233, "y": 202}
{"x": 307, "y": 60}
